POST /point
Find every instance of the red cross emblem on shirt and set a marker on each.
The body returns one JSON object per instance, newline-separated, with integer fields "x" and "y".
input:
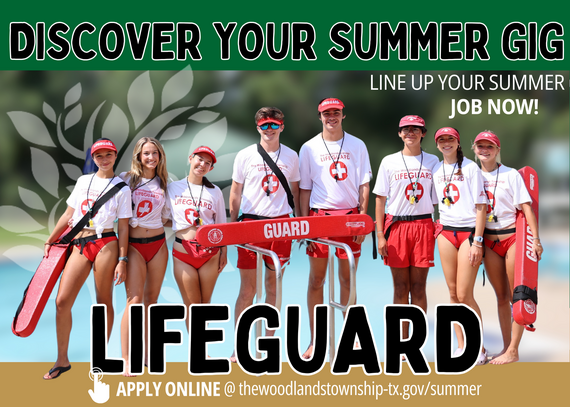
{"x": 339, "y": 170}
{"x": 410, "y": 191}
{"x": 453, "y": 193}
{"x": 85, "y": 205}
{"x": 270, "y": 183}
{"x": 190, "y": 214}
{"x": 144, "y": 208}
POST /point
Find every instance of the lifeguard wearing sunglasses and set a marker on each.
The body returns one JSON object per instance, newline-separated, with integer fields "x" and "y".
{"x": 264, "y": 124}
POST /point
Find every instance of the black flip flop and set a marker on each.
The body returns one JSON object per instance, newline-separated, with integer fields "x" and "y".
{"x": 59, "y": 369}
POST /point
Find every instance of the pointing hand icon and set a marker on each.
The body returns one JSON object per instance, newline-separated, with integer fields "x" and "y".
{"x": 100, "y": 394}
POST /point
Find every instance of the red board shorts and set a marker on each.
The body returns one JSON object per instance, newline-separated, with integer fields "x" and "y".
{"x": 500, "y": 247}
{"x": 247, "y": 259}
{"x": 322, "y": 250}
{"x": 196, "y": 255}
{"x": 411, "y": 243}
{"x": 90, "y": 246}
{"x": 148, "y": 247}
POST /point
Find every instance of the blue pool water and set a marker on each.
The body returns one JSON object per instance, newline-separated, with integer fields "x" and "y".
{"x": 374, "y": 288}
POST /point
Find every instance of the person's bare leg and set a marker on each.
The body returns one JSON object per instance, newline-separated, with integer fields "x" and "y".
{"x": 512, "y": 353}
{"x": 74, "y": 275}
{"x": 317, "y": 275}
{"x": 497, "y": 274}
{"x": 134, "y": 287}
{"x": 448, "y": 256}
{"x": 270, "y": 291}
{"x": 247, "y": 291}
{"x": 401, "y": 280}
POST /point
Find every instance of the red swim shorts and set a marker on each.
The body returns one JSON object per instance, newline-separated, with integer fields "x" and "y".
{"x": 411, "y": 243}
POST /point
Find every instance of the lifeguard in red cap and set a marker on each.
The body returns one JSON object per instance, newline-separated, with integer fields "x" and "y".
{"x": 192, "y": 202}
{"x": 265, "y": 185}
{"x": 148, "y": 254}
{"x": 507, "y": 193}
{"x": 462, "y": 207}
{"x": 405, "y": 227}
{"x": 335, "y": 176}
{"x": 96, "y": 245}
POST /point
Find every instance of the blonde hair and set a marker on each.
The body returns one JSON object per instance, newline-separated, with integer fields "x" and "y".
{"x": 497, "y": 158}
{"x": 136, "y": 171}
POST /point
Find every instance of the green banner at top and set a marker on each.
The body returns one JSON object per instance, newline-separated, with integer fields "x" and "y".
{"x": 292, "y": 35}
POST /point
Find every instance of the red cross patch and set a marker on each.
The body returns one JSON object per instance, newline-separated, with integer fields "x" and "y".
{"x": 339, "y": 170}
{"x": 270, "y": 183}
{"x": 84, "y": 207}
{"x": 410, "y": 192}
{"x": 144, "y": 208}
{"x": 190, "y": 214}
{"x": 453, "y": 193}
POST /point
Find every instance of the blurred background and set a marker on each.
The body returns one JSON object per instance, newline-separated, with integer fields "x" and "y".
{"x": 114, "y": 104}
{"x": 49, "y": 118}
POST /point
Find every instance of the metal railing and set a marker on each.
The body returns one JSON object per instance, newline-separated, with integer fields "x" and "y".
{"x": 260, "y": 281}
{"x": 352, "y": 292}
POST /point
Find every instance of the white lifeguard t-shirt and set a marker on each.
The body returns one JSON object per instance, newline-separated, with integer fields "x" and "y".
{"x": 88, "y": 189}
{"x": 182, "y": 205}
{"x": 256, "y": 177}
{"x": 396, "y": 180}
{"x": 465, "y": 190}
{"x": 509, "y": 194}
{"x": 321, "y": 160}
{"x": 148, "y": 203}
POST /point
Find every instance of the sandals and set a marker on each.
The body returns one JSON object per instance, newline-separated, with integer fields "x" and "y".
{"x": 60, "y": 369}
{"x": 482, "y": 359}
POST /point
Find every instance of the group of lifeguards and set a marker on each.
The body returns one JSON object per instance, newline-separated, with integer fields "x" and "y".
{"x": 331, "y": 175}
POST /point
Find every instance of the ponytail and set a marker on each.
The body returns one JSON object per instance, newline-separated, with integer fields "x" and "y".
{"x": 206, "y": 182}
{"x": 459, "y": 160}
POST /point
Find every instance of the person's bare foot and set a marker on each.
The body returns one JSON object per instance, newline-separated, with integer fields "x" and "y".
{"x": 127, "y": 374}
{"x": 308, "y": 353}
{"x": 510, "y": 356}
{"x": 498, "y": 354}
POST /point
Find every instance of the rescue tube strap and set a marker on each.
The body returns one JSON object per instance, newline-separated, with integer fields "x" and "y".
{"x": 278, "y": 173}
{"x": 522, "y": 292}
{"x": 85, "y": 219}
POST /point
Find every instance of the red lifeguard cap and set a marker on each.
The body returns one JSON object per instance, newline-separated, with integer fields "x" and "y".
{"x": 330, "y": 103}
{"x": 412, "y": 120}
{"x": 488, "y": 136}
{"x": 102, "y": 145}
{"x": 449, "y": 131}
{"x": 206, "y": 150}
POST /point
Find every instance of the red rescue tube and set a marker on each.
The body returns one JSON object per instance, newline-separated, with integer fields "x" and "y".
{"x": 309, "y": 227}
{"x": 525, "y": 297}
{"x": 39, "y": 290}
